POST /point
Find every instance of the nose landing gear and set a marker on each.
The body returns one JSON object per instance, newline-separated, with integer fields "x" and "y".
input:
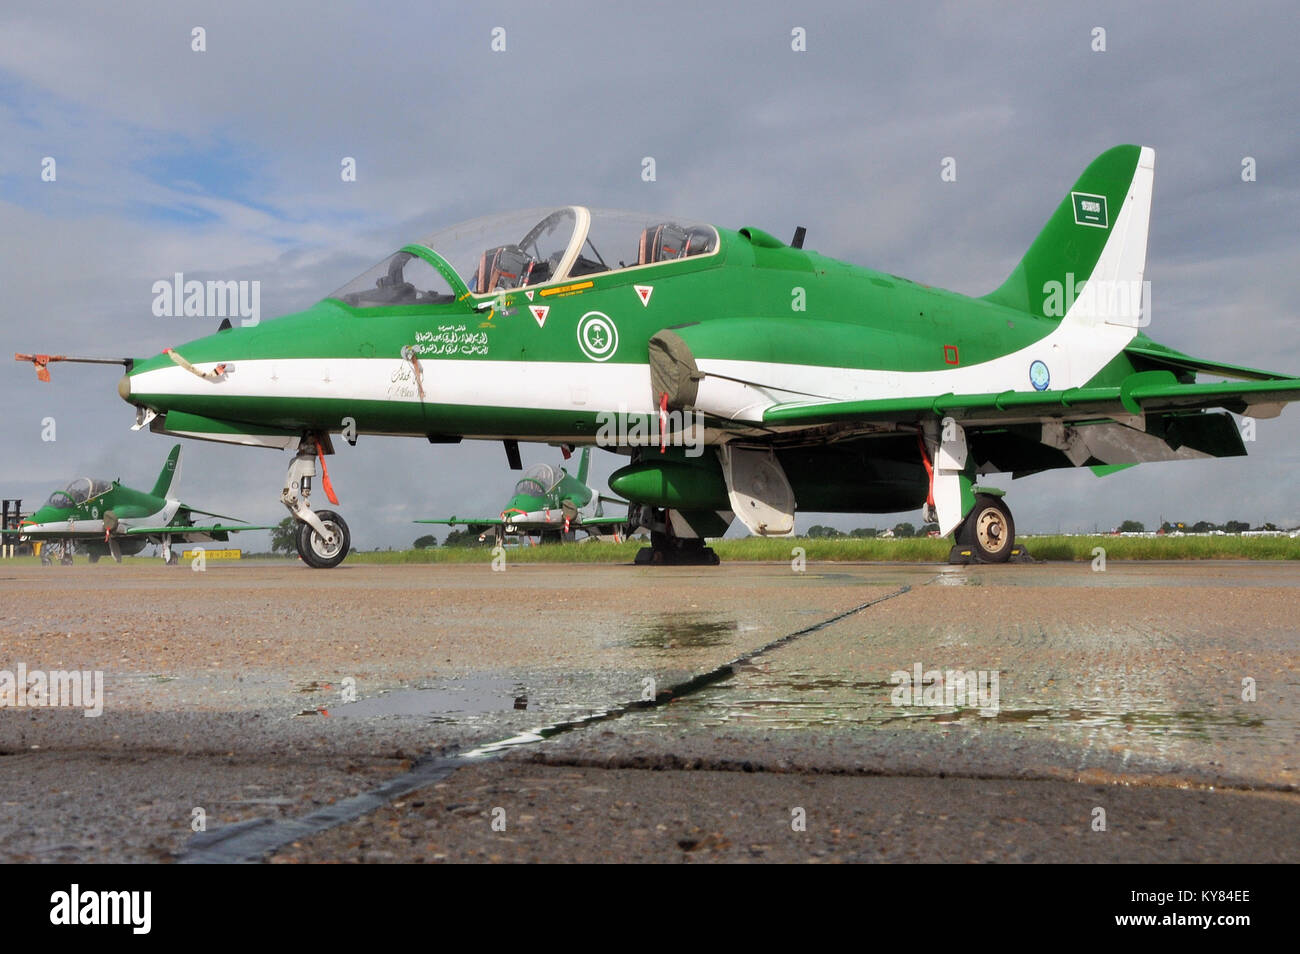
{"x": 322, "y": 538}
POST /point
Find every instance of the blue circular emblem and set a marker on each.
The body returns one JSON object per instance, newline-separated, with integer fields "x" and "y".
{"x": 1039, "y": 376}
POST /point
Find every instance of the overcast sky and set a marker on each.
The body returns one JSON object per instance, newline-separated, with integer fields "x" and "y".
{"x": 226, "y": 164}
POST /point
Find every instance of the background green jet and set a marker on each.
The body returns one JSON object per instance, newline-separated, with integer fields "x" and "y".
{"x": 104, "y": 518}
{"x": 808, "y": 382}
{"x": 554, "y": 504}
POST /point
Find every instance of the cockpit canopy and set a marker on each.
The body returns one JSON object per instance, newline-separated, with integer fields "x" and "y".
{"x": 530, "y": 247}
{"x": 78, "y": 492}
{"x": 537, "y": 480}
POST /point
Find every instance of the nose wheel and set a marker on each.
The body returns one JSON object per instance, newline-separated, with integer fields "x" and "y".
{"x": 324, "y": 551}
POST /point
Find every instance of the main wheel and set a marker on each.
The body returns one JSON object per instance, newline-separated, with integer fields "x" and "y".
{"x": 317, "y": 552}
{"x": 989, "y": 530}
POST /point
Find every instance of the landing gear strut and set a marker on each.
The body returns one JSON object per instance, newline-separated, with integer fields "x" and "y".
{"x": 322, "y": 538}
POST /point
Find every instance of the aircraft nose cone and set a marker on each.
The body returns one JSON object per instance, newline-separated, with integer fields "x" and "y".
{"x": 124, "y": 388}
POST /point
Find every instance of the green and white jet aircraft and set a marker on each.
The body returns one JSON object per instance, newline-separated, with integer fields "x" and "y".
{"x": 554, "y": 504}
{"x": 105, "y": 518}
{"x": 743, "y": 376}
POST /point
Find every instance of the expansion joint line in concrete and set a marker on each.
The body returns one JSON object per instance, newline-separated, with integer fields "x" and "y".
{"x": 253, "y": 840}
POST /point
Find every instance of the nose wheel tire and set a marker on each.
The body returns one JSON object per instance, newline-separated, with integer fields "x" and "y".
{"x": 989, "y": 530}
{"x": 318, "y": 552}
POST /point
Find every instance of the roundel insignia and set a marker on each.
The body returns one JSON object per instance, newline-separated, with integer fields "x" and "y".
{"x": 1039, "y": 376}
{"x": 597, "y": 336}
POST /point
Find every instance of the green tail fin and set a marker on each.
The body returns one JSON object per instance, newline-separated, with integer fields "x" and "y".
{"x": 1066, "y": 252}
{"x": 583, "y": 461}
{"x": 171, "y": 471}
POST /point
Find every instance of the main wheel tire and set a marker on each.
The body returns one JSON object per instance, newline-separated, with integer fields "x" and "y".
{"x": 314, "y": 550}
{"x": 93, "y": 557}
{"x": 989, "y": 530}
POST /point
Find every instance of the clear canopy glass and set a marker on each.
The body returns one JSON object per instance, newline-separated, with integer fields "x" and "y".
{"x": 401, "y": 279}
{"x": 78, "y": 492}
{"x": 537, "y": 480}
{"x": 529, "y": 247}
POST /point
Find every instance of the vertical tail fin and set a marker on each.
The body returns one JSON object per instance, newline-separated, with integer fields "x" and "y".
{"x": 583, "y": 461}
{"x": 170, "y": 474}
{"x": 1098, "y": 235}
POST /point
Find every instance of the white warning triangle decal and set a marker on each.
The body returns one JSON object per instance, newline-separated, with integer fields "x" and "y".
{"x": 644, "y": 292}
{"x": 540, "y": 312}
{"x": 529, "y": 294}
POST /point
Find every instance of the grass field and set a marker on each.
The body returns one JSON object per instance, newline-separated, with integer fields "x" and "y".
{"x": 842, "y": 549}
{"x": 915, "y": 550}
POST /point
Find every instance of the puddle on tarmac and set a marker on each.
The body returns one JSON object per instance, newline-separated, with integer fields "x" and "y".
{"x": 957, "y": 576}
{"x": 670, "y": 632}
{"x": 755, "y": 697}
{"x": 444, "y": 703}
{"x": 1205, "y": 726}
{"x": 848, "y": 579}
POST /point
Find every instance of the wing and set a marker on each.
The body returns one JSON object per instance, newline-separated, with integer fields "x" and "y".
{"x": 207, "y": 513}
{"x": 182, "y": 530}
{"x": 1141, "y": 393}
{"x": 1149, "y": 417}
{"x": 54, "y": 534}
{"x": 598, "y": 521}
{"x": 467, "y": 522}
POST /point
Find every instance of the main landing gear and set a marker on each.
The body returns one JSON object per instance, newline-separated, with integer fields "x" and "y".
{"x": 666, "y": 547}
{"x": 322, "y": 537}
{"x": 988, "y": 530}
{"x": 985, "y": 533}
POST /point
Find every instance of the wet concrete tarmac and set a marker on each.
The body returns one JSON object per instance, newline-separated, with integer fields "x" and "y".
{"x": 1163, "y": 695}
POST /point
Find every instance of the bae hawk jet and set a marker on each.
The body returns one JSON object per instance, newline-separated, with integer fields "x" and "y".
{"x": 105, "y": 518}
{"x": 808, "y": 382}
{"x": 551, "y": 503}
